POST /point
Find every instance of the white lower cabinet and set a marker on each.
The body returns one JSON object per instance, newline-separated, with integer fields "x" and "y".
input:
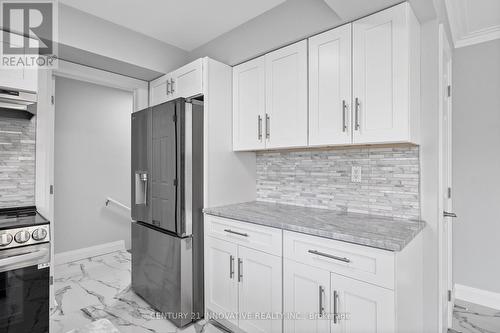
{"x": 222, "y": 285}
{"x": 306, "y": 298}
{"x": 319, "y": 285}
{"x": 359, "y": 307}
{"x": 243, "y": 286}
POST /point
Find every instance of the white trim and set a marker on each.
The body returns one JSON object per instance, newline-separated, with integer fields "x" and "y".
{"x": 87, "y": 252}
{"x": 139, "y": 88}
{"x": 477, "y": 296}
{"x": 479, "y": 37}
{"x": 459, "y": 26}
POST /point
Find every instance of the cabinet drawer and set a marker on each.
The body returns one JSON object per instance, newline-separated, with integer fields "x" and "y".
{"x": 356, "y": 261}
{"x": 251, "y": 235}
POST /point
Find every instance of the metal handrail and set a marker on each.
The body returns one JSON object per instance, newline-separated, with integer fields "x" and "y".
{"x": 118, "y": 203}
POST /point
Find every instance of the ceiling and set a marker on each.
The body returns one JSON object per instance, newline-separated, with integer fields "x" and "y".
{"x": 186, "y": 24}
{"x": 473, "y": 21}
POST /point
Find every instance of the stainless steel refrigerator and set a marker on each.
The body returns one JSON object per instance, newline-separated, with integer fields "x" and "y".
{"x": 167, "y": 202}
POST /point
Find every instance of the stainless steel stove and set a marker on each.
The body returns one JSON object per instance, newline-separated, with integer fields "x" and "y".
{"x": 24, "y": 270}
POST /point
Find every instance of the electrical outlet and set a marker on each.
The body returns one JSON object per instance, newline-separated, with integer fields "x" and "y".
{"x": 356, "y": 174}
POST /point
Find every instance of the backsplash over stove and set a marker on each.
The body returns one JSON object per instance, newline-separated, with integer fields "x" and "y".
{"x": 17, "y": 162}
{"x": 322, "y": 178}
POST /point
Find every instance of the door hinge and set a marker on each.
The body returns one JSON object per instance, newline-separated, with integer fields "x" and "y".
{"x": 174, "y": 118}
{"x": 449, "y": 91}
{"x": 51, "y": 189}
{"x": 449, "y": 295}
{"x": 51, "y": 280}
{"x": 175, "y": 182}
{"x": 52, "y": 99}
{"x": 449, "y": 192}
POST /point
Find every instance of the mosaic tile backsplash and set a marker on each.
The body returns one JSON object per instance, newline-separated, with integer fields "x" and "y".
{"x": 17, "y": 162}
{"x": 389, "y": 184}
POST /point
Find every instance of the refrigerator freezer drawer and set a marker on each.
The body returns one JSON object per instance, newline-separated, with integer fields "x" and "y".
{"x": 162, "y": 272}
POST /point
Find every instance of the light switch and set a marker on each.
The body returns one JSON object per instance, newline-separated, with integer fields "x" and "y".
{"x": 356, "y": 174}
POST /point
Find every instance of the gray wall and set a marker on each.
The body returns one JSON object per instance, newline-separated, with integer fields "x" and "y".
{"x": 322, "y": 178}
{"x": 17, "y": 162}
{"x": 476, "y": 165}
{"x": 92, "y": 162}
{"x": 291, "y": 21}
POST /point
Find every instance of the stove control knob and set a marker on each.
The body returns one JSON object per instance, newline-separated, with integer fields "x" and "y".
{"x": 39, "y": 234}
{"x": 5, "y": 239}
{"x": 22, "y": 236}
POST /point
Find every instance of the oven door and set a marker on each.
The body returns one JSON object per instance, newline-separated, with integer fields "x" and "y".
{"x": 24, "y": 289}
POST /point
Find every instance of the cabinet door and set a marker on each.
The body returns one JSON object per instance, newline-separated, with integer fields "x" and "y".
{"x": 249, "y": 105}
{"x": 286, "y": 96}
{"x": 187, "y": 81}
{"x": 158, "y": 91}
{"x": 307, "y": 294}
{"x": 330, "y": 87}
{"x": 221, "y": 278}
{"x": 381, "y": 77}
{"x": 19, "y": 77}
{"x": 259, "y": 290}
{"x": 361, "y": 307}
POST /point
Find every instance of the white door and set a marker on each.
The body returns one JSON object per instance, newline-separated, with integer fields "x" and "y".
{"x": 380, "y": 77}
{"x": 286, "y": 96}
{"x": 221, "y": 277}
{"x": 260, "y": 283}
{"x": 306, "y": 293}
{"x": 360, "y": 307}
{"x": 446, "y": 222}
{"x": 330, "y": 87}
{"x": 249, "y": 105}
{"x": 187, "y": 81}
{"x": 158, "y": 90}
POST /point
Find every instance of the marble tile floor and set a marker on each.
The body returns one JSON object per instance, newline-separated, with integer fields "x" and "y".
{"x": 99, "y": 288}
{"x": 473, "y": 318}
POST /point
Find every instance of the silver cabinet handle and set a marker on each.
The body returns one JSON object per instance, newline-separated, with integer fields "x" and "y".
{"x": 448, "y": 214}
{"x": 329, "y": 256}
{"x": 268, "y": 124}
{"x": 231, "y": 266}
{"x": 172, "y": 90}
{"x": 240, "y": 270}
{"x": 335, "y": 306}
{"x": 321, "y": 305}
{"x": 168, "y": 87}
{"x": 236, "y": 233}
{"x": 356, "y": 105}
{"x": 259, "y": 126}
{"x": 344, "y": 118}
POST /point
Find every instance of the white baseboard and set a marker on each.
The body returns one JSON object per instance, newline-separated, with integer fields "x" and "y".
{"x": 92, "y": 251}
{"x": 477, "y": 296}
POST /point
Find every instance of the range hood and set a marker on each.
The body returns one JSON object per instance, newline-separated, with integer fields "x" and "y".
{"x": 17, "y": 103}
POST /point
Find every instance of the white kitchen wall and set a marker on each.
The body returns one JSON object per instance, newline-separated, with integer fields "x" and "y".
{"x": 476, "y": 165}
{"x": 92, "y": 162}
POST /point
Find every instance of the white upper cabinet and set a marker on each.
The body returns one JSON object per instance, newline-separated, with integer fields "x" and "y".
{"x": 286, "y": 97}
{"x": 386, "y": 77}
{"x": 249, "y": 105}
{"x": 19, "y": 77}
{"x": 330, "y": 87}
{"x": 186, "y": 81}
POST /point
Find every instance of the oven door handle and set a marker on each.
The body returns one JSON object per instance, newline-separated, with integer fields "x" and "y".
{"x": 20, "y": 258}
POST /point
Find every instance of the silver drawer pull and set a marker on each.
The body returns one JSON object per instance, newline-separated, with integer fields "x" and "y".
{"x": 236, "y": 233}
{"x": 321, "y": 306}
{"x": 231, "y": 267}
{"x": 240, "y": 270}
{"x": 335, "y": 307}
{"x": 329, "y": 256}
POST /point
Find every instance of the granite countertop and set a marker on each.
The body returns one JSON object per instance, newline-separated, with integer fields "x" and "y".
{"x": 380, "y": 232}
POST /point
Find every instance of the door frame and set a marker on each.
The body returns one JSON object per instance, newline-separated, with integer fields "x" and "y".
{"x": 45, "y": 130}
{"x": 445, "y": 251}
